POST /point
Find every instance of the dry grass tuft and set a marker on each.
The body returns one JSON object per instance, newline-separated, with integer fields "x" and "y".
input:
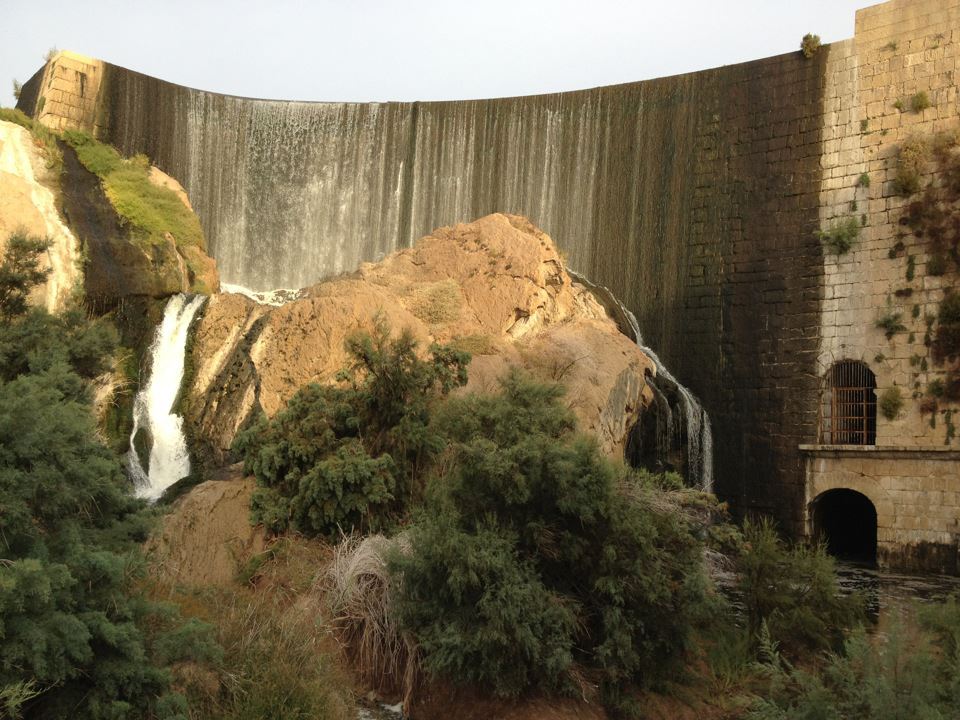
{"x": 358, "y": 591}
{"x": 438, "y": 302}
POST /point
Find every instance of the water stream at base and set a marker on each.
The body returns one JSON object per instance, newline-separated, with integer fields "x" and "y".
{"x": 696, "y": 428}
{"x": 153, "y": 407}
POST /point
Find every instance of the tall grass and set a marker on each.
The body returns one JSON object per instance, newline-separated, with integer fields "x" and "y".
{"x": 280, "y": 660}
{"x": 358, "y": 589}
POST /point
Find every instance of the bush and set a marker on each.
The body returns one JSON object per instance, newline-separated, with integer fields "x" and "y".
{"x": 914, "y": 154}
{"x": 841, "y": 236}
{"x": 891, "y": 401}
{"x": 535, "y": 559}
{"x": 946, "y": 344}
{"x": 895, "y": 676}
{"x": 890, "y": 324}
{"x": 351, "y": 456}
{"x": 792, "y": 593}
{"x": 920, "y": 102}
{"x": 809, "y": 45}
{"x": 78, "y": 641}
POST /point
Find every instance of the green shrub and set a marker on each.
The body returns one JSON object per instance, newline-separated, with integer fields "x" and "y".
{"x": 809, "y": 45}
{"x": 792, "y": 592}
{"x": 946, "y": 344}
{"x": 841, "y": 235}
{"x": 890, "y": 324}
{"x": 74, "y": 629}
{"x": 897, "y": 675}
{"x": 913, "y": 156}
{"x": 351, "y": 456}
{"x": 864, "y": 180}
{"x": 535, "y": 555}
{"x": 920, "y": 102}
{"x": 891, "y": 401}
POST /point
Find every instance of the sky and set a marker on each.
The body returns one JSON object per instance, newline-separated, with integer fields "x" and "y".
{"x": 379, "y": 50}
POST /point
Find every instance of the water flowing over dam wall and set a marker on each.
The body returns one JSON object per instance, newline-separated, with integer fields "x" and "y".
{"x": 696, "y": 199}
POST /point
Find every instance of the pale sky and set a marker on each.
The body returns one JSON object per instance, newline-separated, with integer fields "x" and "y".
{"x": 376, "y": 50}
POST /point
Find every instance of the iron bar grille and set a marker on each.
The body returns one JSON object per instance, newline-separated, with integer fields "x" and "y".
{"x": 849, "y": 414}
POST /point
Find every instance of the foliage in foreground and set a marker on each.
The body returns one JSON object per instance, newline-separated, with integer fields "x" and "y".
{"x": 791, "y": 593}
{"x": 278, "y": 660}
{"x": 536, "y": 561}
{"x": 76, "y": 641}
{"x": 895, "y": 676}
{"x": 352, "y": 456}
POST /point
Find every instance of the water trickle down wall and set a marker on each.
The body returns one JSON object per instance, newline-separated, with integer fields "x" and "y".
{"x": 695, "y": 199}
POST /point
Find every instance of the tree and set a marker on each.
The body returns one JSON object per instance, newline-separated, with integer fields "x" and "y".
{"x": 535, "y": 555}
{"x": 352, "y": 456}
{"x": 20, "y": 271}
{"x": 77, "y": 641}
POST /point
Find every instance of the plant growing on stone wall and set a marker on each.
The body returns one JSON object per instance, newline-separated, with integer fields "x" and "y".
{"x": 17, "y": 88}
{"x": 809, "y": 45}
{"x": 898, "y": 104}
{"x": 920, "y": 102}
{"x": 840, "y": 237}
{"x": 891, "y": 46}
{"x": 914, "y": 154}
{"x": 891, "y": 401}
{"x": 890, "y": 324}
{"x": 864, "y": 180}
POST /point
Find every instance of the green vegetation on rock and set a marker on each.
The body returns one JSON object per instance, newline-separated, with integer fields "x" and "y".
{"x": 153, "y": 213}
{"x": 78, "y": 639}
{"x": 535, "y": 559}
{"x": 43, "y": 136}
{"x": 352, "y": 456}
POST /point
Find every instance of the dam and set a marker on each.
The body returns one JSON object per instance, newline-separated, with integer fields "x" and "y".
{"x": 702, "y": 201}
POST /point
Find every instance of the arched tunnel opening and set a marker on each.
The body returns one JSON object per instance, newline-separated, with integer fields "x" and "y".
{"x": 847, "y": 522}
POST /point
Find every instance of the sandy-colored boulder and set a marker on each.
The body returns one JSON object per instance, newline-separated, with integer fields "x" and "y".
{"x": 495, "y": 287}
{"x": 28, "y": 203}
{"x": 207, "y": 538}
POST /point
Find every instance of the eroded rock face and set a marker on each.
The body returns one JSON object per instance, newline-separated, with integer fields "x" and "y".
{"x": 496, "y": 287}
{"x": 27, "y": 203}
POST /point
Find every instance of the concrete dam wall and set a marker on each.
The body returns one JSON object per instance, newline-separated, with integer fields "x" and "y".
{"x": 696, "y": 199}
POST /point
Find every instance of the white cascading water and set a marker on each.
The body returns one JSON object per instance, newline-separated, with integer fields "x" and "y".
{"x": 699, "y": 434}
{"x": 153, "y": 407}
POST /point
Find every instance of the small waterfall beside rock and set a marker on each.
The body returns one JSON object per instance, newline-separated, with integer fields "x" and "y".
{"x": 678, "y": 436}
{"x": 154, "y": 421}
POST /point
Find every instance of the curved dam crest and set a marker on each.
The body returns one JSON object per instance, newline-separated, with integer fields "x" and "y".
{"x": 693, "y": 198}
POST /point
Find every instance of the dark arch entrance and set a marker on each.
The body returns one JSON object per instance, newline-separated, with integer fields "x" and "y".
{"x": 847, "y": 522}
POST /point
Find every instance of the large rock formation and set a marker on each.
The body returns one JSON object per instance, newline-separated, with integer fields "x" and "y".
{"x": 27, "y": 203}
{"x": 495, "y": 287}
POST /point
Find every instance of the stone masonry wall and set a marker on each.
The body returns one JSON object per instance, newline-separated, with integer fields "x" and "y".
{"x": 916, "y": 495}
{"x": 901, "y": 48}
{"x": 68, "y": 92}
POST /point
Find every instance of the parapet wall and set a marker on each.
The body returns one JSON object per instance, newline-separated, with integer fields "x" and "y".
{"x": 696, "y": 199}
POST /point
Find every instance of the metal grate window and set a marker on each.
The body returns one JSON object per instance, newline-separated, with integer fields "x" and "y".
{"x": 849, "y": 407}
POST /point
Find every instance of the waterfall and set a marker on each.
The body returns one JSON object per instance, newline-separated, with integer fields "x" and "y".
{"x": 153, "y": 407}
{"x": 691, "y": 425}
